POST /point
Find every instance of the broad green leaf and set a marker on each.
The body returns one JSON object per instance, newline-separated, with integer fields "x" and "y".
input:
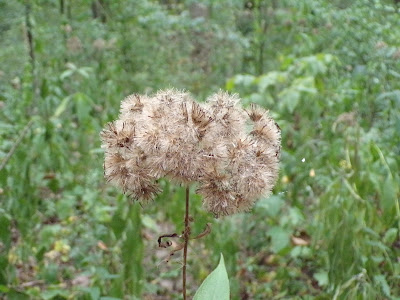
{"x": 50, "y": 294}
{"x": 394, "y": 73}
{"x": 301, "y": 252}
{"x": 280, "y": 238}
{"x": 83, "y": 105}
{"x": 84, "y": 71}
{"x": 16, "y": 295}
{"x": 149, "y": 222}
{"x": 378, "y": 245}
{"x": 392, "y": 94}
{"x": 94, "y": 293}
{"x": 230, "y": 84}
{"x": 270, "y": 79}
{"x": 117, "y": 224}
{"x": 245, "y": 80}
{"x": 256, "y": 98}
{"x": 272, "y": 205}
{"x": 295, "y": 216}
{"x": 216, "y": 285}
{"x": 4, "y": 288}
{"x": 66, "y": 73}
{"x": 381, "y": 281}
{"x": 322, "y": 278}
{"x": 390, "y": 236}
{"x": 290, "y": 98}
{"x": 305, "y": 84}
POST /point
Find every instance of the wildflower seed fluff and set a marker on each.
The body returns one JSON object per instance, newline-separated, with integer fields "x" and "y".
{"x": 171, "y": 135}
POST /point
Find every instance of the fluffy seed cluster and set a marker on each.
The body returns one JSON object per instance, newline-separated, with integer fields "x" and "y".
{"x": 232, "y": 153}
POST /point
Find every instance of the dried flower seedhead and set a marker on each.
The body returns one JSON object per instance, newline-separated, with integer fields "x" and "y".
{"x": 170, "y": 135}
{"x": 228, "y": 117}
{"x": 118, "y": 136}
{"x": 255, "y": 112}
{"x": 132, "y": 105}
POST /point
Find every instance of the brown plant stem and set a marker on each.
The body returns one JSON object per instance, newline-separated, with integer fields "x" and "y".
{"x": 29, "y": 34}
{"x": 186, "y": 236}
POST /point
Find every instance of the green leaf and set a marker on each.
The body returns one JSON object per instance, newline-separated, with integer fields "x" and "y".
{"x": 230, "y": 84}
{"x": 61, "y": 108}
{"x": 216, "y": 285}
{"x": 390, "y": 236}
{"x": 83, "y": 106}
{"x": 66, "y": 73}
{"x": 4, "y": 288}
{"x": 94, "y": 293}
{"x": 132, "y": 251}
{"x": 272, "y": 205}
{"x": 280, "y": 238}
{"x": 5, "y": 233}
{"x": 388, "y": 199}
{"x": 50, "y": 294}
{"x": 15, "y": 295}
{"x": 118, "y": 224}
{"x": 381, "y": 280}
{"x": 244, "y": 80}
{"x": 270, "y": 79}
{"x": 322, "y": 278}
{"x": 149, "y": 223}
{"x": 392, "y": 94}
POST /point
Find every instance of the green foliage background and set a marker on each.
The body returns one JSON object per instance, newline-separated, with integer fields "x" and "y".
{"x": 328, "y": 71}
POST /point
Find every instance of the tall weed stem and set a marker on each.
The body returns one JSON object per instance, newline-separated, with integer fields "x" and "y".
{"x": 186, "y": 236}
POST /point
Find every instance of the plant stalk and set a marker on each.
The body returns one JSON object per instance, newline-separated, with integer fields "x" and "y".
{"x": 186, "y": 235}
{"x": 29, "y": 35}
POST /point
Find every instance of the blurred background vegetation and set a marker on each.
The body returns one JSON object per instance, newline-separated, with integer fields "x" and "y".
{"x": 329, "y": 71}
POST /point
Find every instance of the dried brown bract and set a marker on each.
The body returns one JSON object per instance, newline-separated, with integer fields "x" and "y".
{"x": 170, "y": 135}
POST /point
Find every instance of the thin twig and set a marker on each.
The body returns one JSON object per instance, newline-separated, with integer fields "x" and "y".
{"x": 29, "y": 34}
{"x": 186, "y": 235}
{"x": 167, "y": 243}
{"x": 352, "y": 191}
{"x": 16, "y": 144}
{"x": 172, "y": 253}
{"x": 205, "y": 232}
{"x": 31, "y": 283}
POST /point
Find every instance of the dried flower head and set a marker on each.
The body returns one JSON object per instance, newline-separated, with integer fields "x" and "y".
{"x": 170, "y": 135}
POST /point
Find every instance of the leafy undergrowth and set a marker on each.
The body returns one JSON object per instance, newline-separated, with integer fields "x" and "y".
{"x": 328, "y": 72}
